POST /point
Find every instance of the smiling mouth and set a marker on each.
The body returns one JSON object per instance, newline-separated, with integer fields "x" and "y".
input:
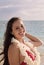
{"x": 22, "y": 34}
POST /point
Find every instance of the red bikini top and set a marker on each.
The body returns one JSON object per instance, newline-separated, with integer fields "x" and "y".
{"x": 31, "y": 56}
{"x": 23, "y": 63}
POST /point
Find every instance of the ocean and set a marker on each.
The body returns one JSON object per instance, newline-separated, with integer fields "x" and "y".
{"x": 36, "y": 28}
{"x": 33, "y": 27}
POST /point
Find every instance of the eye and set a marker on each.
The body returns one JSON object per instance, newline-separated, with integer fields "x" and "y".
{"x": 17, "y": 28}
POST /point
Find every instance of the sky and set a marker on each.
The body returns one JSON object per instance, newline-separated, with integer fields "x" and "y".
{"x": 25, "y": 9}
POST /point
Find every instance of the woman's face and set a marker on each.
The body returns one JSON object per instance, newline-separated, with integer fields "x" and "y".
{"x": 18, "y": 29}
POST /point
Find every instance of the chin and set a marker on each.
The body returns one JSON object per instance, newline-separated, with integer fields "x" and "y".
{"x": 22, "y": 37}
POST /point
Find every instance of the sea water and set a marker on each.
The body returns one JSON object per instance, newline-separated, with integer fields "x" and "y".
{"x": 35, "y": 28}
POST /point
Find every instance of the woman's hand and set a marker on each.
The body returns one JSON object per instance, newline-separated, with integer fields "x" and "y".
{"x": 33, "y": 39}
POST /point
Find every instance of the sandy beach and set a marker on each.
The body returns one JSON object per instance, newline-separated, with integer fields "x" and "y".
{"x": 1, "y": 56}
{"x": 42, "y": 60}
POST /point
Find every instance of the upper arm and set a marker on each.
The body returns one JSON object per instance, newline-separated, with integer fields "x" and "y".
{"x": 13, "y": 55}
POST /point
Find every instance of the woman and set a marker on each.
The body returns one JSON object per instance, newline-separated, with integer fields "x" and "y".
{"x": 16, "y": 50}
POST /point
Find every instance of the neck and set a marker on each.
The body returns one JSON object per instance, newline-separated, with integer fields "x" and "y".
{"x": 21, "y": 40}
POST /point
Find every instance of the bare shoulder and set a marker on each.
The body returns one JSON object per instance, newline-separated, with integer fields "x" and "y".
{"x": 13, "y": 46}
{"x": 13, "y": 56}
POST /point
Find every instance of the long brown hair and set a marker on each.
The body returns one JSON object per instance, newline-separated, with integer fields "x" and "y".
{"x": 7, "y": 39}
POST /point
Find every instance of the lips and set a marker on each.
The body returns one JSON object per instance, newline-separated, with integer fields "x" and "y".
{"x": 21, "y": 33}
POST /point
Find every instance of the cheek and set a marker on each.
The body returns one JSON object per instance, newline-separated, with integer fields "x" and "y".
{"x": 24, "y": 29}
{"x": 15, "y": 33}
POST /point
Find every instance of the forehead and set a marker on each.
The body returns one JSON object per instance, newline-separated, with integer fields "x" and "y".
{"x": 18, "y": 23}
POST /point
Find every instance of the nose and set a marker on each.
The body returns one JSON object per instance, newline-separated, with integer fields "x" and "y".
{"x": 22, "y": 30}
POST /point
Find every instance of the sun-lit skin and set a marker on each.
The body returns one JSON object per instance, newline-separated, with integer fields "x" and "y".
{"x": 18, "y": 30}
